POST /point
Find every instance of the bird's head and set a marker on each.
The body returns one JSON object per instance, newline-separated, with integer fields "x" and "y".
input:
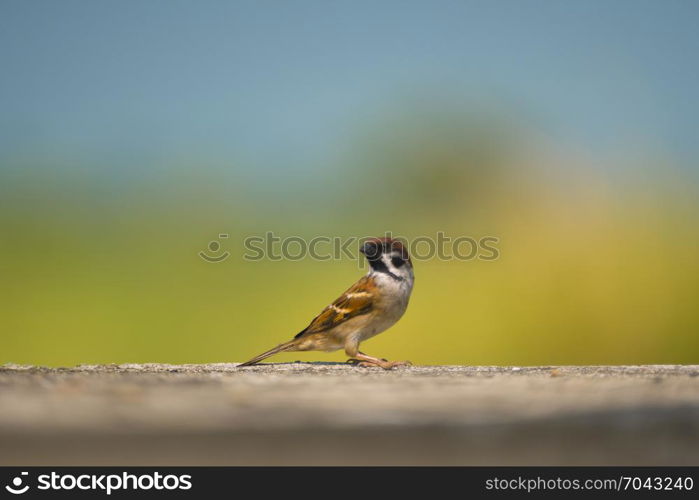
{"x": 386, "y": 255}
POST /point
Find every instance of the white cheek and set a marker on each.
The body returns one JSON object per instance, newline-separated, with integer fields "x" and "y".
{"x": 389, "y": 264}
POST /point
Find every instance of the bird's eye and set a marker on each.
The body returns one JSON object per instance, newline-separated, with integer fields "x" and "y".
{"x": 397, "y": 261}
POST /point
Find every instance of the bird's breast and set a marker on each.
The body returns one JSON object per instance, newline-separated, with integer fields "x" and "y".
{"x": 390, "y": 305}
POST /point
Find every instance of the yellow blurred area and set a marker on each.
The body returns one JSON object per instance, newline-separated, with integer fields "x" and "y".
{"x": 593, "y": 268}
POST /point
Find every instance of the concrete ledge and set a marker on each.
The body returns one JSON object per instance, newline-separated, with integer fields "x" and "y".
{"x": 330, "y": 413}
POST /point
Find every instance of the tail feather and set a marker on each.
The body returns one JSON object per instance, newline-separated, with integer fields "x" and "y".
{"x": 286, "y": 346}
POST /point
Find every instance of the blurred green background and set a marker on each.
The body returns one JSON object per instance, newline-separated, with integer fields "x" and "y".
{"x": 134, "y": 134}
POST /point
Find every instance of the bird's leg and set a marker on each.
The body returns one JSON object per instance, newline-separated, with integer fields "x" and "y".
{"x": 361, "y": 359}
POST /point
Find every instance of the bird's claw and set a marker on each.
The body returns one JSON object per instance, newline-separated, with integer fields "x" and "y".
{"x": 385, "y": 364}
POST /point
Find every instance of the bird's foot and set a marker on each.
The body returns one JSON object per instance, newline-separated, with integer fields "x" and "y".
{"x": 378, "y": 363}
{"x": 394, "y": 364}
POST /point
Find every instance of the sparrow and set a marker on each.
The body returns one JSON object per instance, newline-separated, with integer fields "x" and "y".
{"x": 367, "y": 308}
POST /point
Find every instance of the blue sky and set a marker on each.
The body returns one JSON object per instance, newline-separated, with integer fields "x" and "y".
{"x": 279, "y": 85}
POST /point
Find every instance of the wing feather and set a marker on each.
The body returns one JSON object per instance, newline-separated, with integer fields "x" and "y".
{"x": 356, "y": 301}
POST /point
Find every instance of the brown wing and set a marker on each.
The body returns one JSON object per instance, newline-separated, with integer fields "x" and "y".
{"x": 357, "y": 300}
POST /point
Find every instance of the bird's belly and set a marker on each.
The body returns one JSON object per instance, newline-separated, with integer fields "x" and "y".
{"x": 383, "y": 321}
{"x": 376, "y": 328}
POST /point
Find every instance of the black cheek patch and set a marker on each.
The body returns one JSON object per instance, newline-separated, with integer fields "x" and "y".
{"x": 397, "y": 262}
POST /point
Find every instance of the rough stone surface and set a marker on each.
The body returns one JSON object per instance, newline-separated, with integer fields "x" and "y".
{"x": 332, "y": 413}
